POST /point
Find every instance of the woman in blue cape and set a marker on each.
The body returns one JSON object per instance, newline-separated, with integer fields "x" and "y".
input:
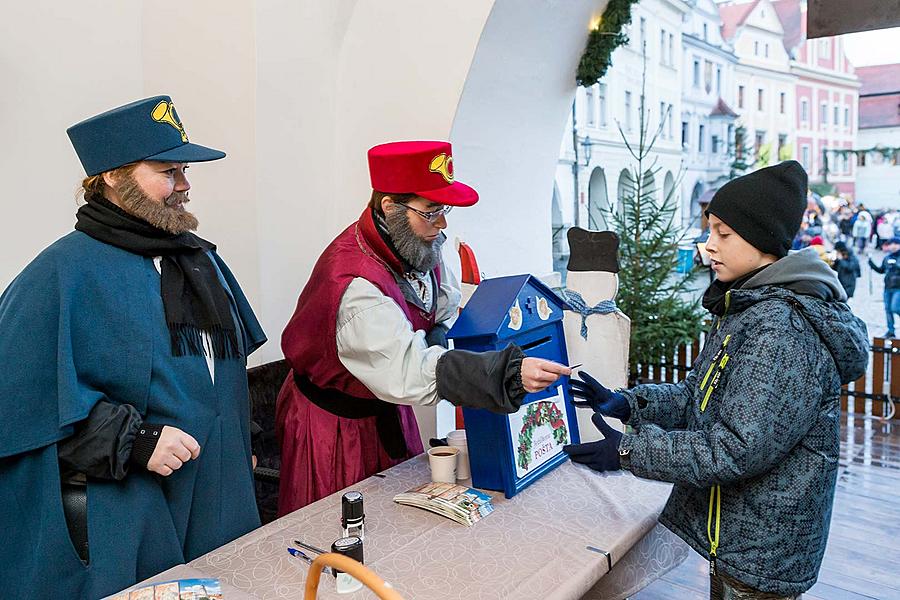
{"x": 126, "y": 447}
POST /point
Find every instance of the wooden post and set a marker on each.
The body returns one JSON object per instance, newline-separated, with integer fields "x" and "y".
{"x": 682, "y": 362}
{"x": 878, "y": 364}
{"x": 895, "y": 377}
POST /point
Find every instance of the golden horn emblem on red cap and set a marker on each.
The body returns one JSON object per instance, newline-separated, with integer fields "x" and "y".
{"x": 442, "y": 164}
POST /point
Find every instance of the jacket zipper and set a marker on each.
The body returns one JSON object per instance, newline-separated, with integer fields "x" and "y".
{"x": 715, "y": 506}
{"x": 715, "y": 492}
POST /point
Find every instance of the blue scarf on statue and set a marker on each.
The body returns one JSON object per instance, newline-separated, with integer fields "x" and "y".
{"x": 577, "y": 304}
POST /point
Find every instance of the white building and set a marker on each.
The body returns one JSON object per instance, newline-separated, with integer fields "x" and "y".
{"x": 707, "y": 106}
{"x": 604, "y": 108}
{"x": 764, "y": 79}
{"x": 878, "y": 174}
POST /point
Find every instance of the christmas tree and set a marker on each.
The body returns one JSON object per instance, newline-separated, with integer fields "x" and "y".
{"x": 651, "y": 291}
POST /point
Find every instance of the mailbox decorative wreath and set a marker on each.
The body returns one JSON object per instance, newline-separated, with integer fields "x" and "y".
{"x": 537, "y": 414}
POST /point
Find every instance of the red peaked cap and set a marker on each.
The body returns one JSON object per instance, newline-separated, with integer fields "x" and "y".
{"x": 421, "y": 168}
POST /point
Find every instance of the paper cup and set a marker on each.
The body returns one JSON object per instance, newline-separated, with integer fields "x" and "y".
{"x": 442, "y": 461}
{"x": 457, "y": 439}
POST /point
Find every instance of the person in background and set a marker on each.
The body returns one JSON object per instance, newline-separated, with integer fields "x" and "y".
{"x": 890, "y": 268}
{"x": 862, "y": 228}
{"x": 751, "y": 438}
{"x": 847, "y": 266}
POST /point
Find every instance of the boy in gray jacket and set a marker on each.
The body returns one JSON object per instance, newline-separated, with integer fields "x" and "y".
{"x": 751, "y": 437}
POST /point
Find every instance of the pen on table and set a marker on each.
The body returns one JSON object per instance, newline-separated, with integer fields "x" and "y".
{"x": 309, "y": 547}
{"x": 306, "y": 558}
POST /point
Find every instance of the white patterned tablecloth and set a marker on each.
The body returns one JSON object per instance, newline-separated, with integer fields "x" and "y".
{"x": 535, "y": 545}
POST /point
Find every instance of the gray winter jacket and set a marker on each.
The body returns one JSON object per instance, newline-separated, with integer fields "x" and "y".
{"x": 751, "y": 437}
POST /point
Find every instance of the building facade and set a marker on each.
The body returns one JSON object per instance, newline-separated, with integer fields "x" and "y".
{"x": 765, "y": 83}
{"x": 594, "y": 160}
{"x": 827, "y": 95}
{"x": 878, "y": 172}
{"x": 707, "y": 115}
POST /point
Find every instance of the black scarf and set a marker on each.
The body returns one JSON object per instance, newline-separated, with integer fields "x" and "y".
{"x": 193, "y": 297}
{"x": 714, "y": 296}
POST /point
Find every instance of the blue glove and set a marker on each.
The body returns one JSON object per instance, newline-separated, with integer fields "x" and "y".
{"x": 599, "y": 398}
{"x": 602, "y": 455}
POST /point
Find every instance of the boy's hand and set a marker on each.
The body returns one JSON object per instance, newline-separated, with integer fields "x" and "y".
{"x": 173, "y": 449}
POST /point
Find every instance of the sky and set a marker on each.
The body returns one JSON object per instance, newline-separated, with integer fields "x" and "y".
{"x": 877, "y": 47}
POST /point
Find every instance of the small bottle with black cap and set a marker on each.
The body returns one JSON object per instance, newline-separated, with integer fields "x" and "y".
{"x": 351, "y": 547}
{"x": 353, "y": 516}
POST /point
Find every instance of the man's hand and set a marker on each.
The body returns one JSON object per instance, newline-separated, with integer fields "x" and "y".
{"x": 538, "y": 374}
{"x": 173, "y": 449}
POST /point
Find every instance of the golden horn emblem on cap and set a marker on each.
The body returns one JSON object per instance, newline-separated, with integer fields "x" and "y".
{"x": 442, "y": 164}
{"x": 164, "y": 112}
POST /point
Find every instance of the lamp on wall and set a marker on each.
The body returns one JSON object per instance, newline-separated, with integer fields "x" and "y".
{"x": 586, "y": 144}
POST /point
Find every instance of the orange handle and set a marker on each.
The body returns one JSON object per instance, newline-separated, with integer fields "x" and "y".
{"x": 355, "y": 568}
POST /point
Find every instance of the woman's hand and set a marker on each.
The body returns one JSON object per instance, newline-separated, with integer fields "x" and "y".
{"x": 173, "y": 449}
{"x": 539, "y": 374}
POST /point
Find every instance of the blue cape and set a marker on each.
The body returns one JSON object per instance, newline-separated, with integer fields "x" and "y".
{"x": 84, "y": 322}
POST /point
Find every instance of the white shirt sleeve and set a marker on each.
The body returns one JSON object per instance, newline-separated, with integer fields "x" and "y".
{"x": 448, "y": 297}
{"x": 377, "y": 344}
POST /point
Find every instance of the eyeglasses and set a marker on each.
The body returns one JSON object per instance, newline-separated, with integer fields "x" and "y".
{"x": 430, "y": 216}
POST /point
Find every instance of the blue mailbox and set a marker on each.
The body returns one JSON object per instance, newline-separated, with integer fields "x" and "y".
{"x": 509, "y": 452}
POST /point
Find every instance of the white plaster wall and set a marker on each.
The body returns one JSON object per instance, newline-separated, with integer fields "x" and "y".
{"x": 56, "y": 62}
{"x": 878, "y": 183}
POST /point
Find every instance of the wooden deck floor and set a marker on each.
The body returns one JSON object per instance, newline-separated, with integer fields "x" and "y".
{"x": 862, "y": 560}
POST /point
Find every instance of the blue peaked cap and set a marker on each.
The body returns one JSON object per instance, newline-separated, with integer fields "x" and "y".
{"x": 148, "y": 129}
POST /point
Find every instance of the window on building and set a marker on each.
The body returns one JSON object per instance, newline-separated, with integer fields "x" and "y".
{"x": 590, "y": 107}
{"x": 627, "y": 111}
{"x": 643, "y": 33}
{"x": 671, "y": 45}
{"x": 738, "y": 144}
{"x": 715, "y": 144}
{"x": 662, "y": 46}
{"x": 601, "y": 96}
{"x": 684, "y": 134}
{"x": 705, "y": 32}
{"x": 730, "y": 139}
{"x": 782, "y": 102}
{"x": 837, "y": 116}
{"x": 662, "y": 119}
{"x": 804, "y": 157}
{"x": 718, "y": 80}
{"x": 766, "y": 50}
{"x": 823, "y": 114}
{"x": 701, "y": 135}
{"x": 759, "y": 141}
{"x": 782, "y": 142}
{"x": 846, "y": 117}
{"x": 696, "y": 72}
{"x": 804, "y": 111}
{"x": 740, "y": 96}
{"x": 669, "y": 122}
{"x": 755, "y": 48}
{"x": 759, "y": 99}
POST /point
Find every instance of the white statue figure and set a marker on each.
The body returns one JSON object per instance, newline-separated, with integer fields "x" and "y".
{"x": 597, "y": 333}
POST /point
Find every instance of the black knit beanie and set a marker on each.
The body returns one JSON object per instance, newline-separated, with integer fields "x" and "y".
{"x": 764, "y": 207}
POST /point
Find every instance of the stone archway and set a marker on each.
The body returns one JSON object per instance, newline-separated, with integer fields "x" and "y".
{"x": 598, "y": 200}
{"x": 669, "y": 187}
{"x": 695, "y": 205}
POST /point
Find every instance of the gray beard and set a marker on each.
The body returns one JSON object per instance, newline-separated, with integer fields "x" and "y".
{"x": 421, "y": 255}
{"x": 164, "y": 215}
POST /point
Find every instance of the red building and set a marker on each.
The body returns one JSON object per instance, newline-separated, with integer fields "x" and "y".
{"x": 827, "y": 98}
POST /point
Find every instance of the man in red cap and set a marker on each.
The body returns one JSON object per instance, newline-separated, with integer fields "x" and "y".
{"x": 366, "y": 341}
